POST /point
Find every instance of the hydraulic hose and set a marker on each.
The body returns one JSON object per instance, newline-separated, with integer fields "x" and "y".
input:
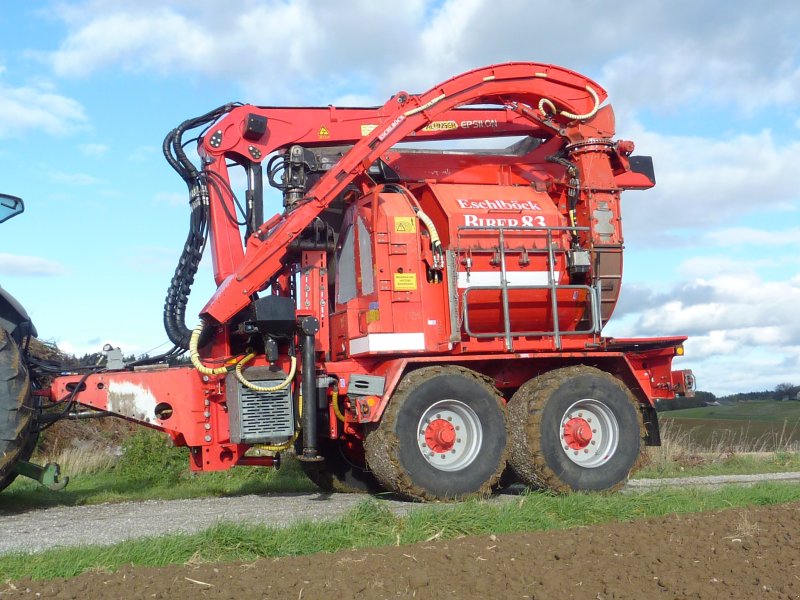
{"x": 435, "y": 241}
{"x": 546, "y": 102}
{"x": 260, "y": 388}
{"x": 335, "y": 401}
{"x": 194, "y": 354}
{"x": 425, "y": 106}
{"x": 195, "y": 180}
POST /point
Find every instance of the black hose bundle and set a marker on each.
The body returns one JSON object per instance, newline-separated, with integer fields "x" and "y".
{"x": 189, "y": 261}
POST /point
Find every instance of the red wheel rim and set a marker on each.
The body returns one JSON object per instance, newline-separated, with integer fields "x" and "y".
{"x": 440, "y": 436}
{"x": 577, "y": 433}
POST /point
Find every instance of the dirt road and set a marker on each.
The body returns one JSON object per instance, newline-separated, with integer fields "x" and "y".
{"x": 740, "y": 553}
{"x": 105, "y": 524}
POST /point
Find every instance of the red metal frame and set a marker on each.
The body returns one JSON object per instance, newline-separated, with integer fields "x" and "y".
{"x": 404, "y": 320}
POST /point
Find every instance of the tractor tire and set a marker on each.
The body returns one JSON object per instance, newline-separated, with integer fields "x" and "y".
{"x": 342, "y": 470}
{"x": 442, "y": 437}
{"x": 17, "y": 439}
{"x": 574, "y": 429}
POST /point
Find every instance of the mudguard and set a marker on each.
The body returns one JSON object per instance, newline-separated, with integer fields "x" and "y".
{"x": 14, "y": 319}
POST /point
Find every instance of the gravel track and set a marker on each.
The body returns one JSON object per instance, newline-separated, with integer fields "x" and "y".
{"x": 106, "y": 524}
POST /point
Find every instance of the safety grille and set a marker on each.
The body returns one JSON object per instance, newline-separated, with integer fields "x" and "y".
{"x": 260, "y": 417}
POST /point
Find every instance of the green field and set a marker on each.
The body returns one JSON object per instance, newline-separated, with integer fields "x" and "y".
{"x": 743, "y": 427}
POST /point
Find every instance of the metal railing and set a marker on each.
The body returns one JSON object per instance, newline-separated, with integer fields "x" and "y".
{"x": 552, "y": 285}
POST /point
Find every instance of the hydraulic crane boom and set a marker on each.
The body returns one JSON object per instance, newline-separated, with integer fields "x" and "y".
{"x": 535, "y": 98}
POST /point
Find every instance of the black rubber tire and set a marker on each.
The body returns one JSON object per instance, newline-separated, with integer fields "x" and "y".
{"x": 17, "y": 440}
{"x": 393, "y": 450}
{"x": 341, "y": 471}
{"x": 536, "y": 445}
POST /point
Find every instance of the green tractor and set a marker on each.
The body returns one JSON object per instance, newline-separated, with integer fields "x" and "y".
{"x": 19, "y": 423}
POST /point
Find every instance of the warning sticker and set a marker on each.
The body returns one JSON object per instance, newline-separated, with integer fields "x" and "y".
{"x": 324, "y": 133}
{"x": 367, "y": 129}
{"x": 373, "y": 314}
{"x": 405, "y": 282}
{"x": 440, "y": 126}
{"x": 405, "y": 225}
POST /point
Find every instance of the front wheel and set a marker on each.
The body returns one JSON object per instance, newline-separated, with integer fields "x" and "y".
{"x": 442, "y": 437}
{"x": 572, "y": 429}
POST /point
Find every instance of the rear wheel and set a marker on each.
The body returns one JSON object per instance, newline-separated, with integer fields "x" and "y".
{"x": 17, "y": 439}
{"x": 574, "y": 429}
{"x": 442, "y": 437}
{"x": 343, "y": 469}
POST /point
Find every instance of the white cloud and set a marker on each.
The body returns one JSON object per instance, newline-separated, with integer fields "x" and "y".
{"x": 160, "y": 40}
{"x": 730, "y": 302}
{"x": 738, "y": 236}
{"x": 30, "y": 108}
{"x": 704, "y": 181}
{"x": 273, "y": 49}
{"x": 729, "y": 316}
{"x": 29, "y": 266}
{"x": 651, "y": 55}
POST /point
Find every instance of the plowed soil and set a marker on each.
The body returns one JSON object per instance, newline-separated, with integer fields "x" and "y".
{"x": 741, "y": 553}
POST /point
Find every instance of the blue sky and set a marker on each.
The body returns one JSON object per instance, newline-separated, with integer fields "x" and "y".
{"x": 89, "y": 89}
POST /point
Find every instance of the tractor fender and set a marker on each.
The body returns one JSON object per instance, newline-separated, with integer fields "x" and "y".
{"x": 14, "y": 319}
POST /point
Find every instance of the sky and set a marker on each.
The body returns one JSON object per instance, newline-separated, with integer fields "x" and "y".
{"x": 88, "y": 89}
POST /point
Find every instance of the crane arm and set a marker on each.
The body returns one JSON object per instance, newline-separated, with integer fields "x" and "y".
{"x": 554, "y": 99}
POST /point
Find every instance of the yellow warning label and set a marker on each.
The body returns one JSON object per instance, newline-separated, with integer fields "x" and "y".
{"x": 405, "y": 225}
{"x": 405, "y": 282}
{"x": 440, "y": 126}
{"x": 367, "y": 129}
{"x": 324, "y": 133}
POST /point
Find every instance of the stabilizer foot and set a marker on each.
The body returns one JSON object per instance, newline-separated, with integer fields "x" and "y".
{"x": 48, "y": 475}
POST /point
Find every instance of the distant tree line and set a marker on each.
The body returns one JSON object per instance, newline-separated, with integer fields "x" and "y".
{"x": 88, "y": 360}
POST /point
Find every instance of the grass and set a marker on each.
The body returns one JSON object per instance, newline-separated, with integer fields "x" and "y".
{"x": 745, "y": 427}
{"x": 726, "y": 452}
{"x": 769, "y": 411}
{"x": 372, "y": 524}
{"x": 149, "y": 468}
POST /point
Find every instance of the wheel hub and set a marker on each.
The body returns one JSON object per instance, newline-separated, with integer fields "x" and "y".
{"x": 577, "y": 433}
{"x": 450, "y": 435}
{"x": 589, "y": 433}
{"x": 440, "y": 435}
